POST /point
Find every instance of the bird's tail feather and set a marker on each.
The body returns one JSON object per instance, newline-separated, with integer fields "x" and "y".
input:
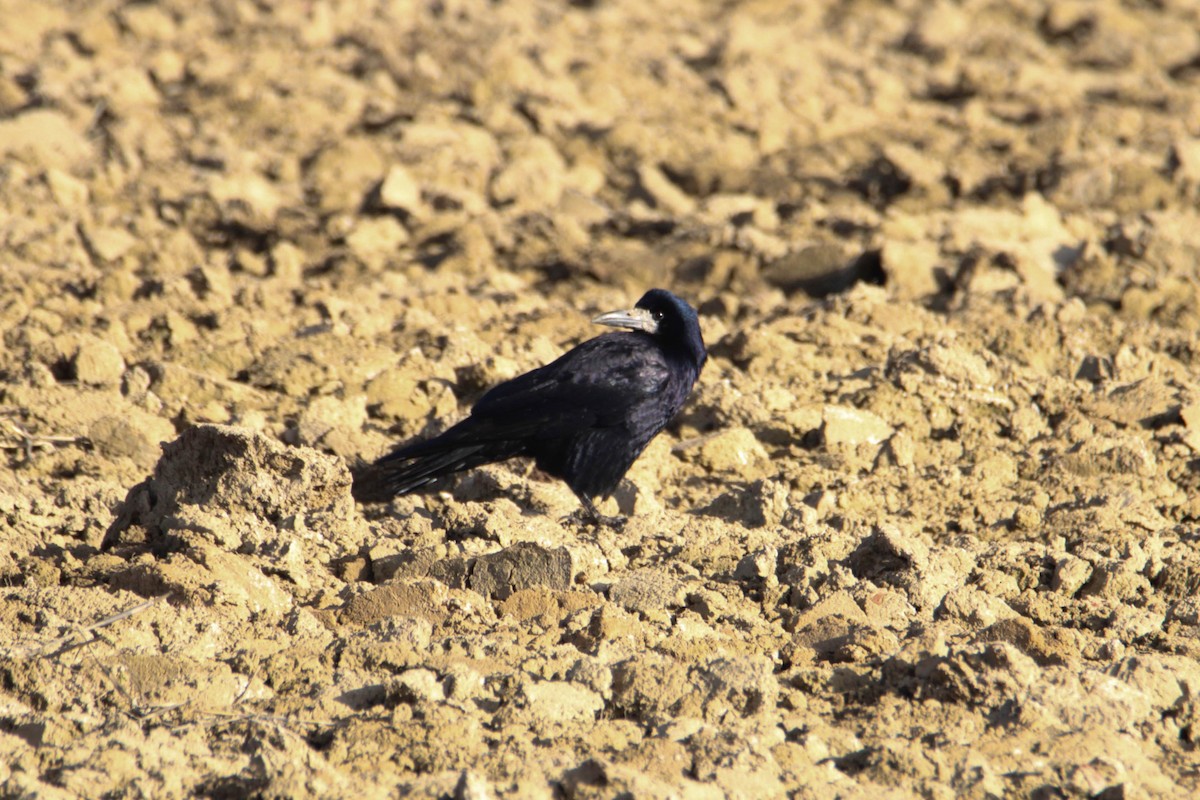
{"x": 408, "y": 469}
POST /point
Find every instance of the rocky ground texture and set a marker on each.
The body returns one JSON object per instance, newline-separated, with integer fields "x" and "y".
{"x": 929, "y": 526}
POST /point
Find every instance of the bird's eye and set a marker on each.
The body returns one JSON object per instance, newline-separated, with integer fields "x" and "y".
{"x": 657, "y": 314}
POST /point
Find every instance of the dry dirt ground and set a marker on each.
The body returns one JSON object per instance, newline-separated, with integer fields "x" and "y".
{"x": 929, "y": 526}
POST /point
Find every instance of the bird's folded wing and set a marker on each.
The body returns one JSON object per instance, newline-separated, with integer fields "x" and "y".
{"x": 551, "y": 413}
{"x": 601, "y": 378}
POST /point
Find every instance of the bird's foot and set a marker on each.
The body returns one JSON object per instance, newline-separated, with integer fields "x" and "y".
{"x": 614, "y": 523}
{"x": 589, "y": 514}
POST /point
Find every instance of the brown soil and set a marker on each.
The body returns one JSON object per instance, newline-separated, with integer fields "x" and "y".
{"x": 928, "y": 527}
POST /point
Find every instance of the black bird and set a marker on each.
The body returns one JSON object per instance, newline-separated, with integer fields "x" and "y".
{"x": 584, "y": 418}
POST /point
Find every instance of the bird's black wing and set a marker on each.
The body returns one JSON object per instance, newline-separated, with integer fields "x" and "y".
{"x": 593, "y": 385}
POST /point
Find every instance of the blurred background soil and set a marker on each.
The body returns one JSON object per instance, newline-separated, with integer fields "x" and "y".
{"x": 927, "y": 528}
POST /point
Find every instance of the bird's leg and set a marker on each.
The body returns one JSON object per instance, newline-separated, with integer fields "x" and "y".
{"x": 589, "y": 509}
{"x": 598, "y": 519}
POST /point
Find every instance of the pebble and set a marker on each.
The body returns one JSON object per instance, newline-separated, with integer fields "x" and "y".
{"x": 98, "y": 363}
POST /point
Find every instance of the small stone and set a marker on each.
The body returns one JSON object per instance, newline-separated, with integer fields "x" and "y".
{"x": 840, "y": 604}
{"x": 818, "y": 269}
{"x": 888, "y": 609}
{"x": 959, "y": 365}
{"x": 128, "y": 89}
{"x": 471, "y": 786}
{"x": 167, "y": 66}
{"x": 248, "y": 190}
{"x": 1147, "y": 402}
{"x": 327, "y": 414}
{"x": 344, "y": 174}
{"x": 423, "y": 600}
{"x": 1128, "y": 624}
{"x": 900, "y": 450}
{"x": 533, "y": 179}
{"x": 731, "y": 450}
{"x": 1190, "y": 414}
{"x": 1027, "y": 518}
{"x": 134, "y": 436}
{"x": 996, "y": 472}
{"x": 744, "y": 685}
{"x": 761, "y": 502}
{"x": 377, "y": 240}
{"x": 400, "y": 191}
{"x": 109, "y": 244}
{"x": 12, "y": 97}
{"x": 98, "y": 363}
{"x": 68, "y": 191}
{"x": 910, "y": 266}
{"x": 1187, "y": 611}
{"x": 667, "y": 196}
{"x": 287, "y": 263}
{"x": 559, "y": 701}
{"x": 501, "y": 574}
{"x": 148, "y": 22}
{"x": 1027, "y": 423}
{"x": 45, "y": 138}
{"x": 976, "y": 608}
{"x": 421, "y": 685}
{"x": 1187, "y": 153}
{"x": 648, "y": 591}
{"x": 1071, "y": 574}
{"x": 182, "y": 329}
{"x": 845, "y": 426}
{"x": 759, "y": 565}
{"x": 1119, "y": 579}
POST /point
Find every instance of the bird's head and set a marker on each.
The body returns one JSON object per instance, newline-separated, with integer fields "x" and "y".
{"x": 664, "y": 316}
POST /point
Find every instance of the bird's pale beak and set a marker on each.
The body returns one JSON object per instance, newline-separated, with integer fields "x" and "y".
{"x": 639, "y": 319}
